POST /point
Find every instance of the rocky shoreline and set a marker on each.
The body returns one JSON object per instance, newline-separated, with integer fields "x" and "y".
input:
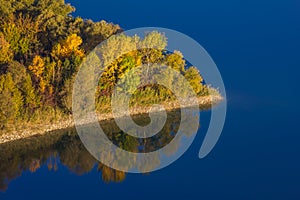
{"x": 41, "y": 129}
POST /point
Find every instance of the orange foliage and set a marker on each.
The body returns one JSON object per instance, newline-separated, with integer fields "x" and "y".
{"x": 68, "y": 46}
{"x": 34, "y": 165}
{"x": 38, "y": 68}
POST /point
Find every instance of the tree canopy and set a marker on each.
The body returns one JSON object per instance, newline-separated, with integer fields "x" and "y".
{"x": 42, "y": 46}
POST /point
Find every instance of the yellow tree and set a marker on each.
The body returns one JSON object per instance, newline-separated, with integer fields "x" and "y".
{"x": 69, "y": 46}
{"x": 111, "y": 175}
{"x": 176, "y": 61}
{"x": 195, "y": 79}
{"x": 37, "y": 68}
{"x": 5, "y": 52}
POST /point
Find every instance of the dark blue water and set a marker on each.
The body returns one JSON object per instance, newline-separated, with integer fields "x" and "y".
{"x": 256, "y": 45}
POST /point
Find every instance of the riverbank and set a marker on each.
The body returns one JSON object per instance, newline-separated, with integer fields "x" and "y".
{"x": 30, "y": 130}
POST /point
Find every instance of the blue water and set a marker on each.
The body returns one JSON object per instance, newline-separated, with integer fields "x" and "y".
{"x": 256, "y": 45}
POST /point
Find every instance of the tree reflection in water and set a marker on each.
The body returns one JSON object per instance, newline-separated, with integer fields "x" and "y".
{"x": 65, "y": 147}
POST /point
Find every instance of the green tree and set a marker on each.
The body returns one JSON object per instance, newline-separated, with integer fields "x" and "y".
{"x": 11, "y": 100}
{"x": 14, "y": 6}
{"x": 22, "y": 80}
{"x": 21, "y": 33}
{"x": 95, "y": 32}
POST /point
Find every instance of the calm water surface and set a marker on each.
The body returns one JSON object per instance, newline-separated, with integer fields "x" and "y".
{"x": 256, "y": 45}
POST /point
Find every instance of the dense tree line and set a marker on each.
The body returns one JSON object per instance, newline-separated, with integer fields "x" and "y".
{"x": 42, "y": 46}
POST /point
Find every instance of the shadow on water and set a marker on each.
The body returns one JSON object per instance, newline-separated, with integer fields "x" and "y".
{"x": 65, "y": 147}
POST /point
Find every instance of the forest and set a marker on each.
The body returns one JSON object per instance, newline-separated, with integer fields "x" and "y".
{"x": 41, "y": 48}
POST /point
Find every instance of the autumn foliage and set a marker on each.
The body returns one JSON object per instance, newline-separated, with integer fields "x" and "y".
{"x": 42, "y": 46}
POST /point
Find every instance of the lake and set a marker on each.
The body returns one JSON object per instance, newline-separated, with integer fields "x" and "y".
{"x": 61, "y": 153}
{"x": 256, "y": 46}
